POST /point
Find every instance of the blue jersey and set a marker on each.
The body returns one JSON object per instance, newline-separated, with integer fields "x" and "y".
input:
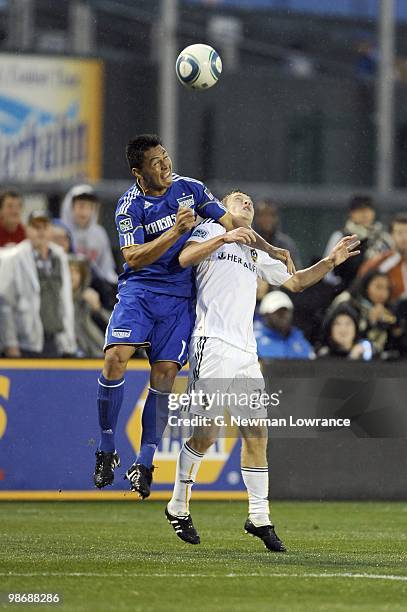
{"x": 142, "y": 218}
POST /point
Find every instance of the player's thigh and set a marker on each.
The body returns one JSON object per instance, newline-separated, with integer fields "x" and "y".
{"x": 172, "y": 330}
{"x": 243, "y": 381}
{"x": 208, "y": 382}
{"x": 131, "y": 321}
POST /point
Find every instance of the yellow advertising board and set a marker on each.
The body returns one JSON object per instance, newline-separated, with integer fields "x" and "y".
{"x": 50, "y": 118}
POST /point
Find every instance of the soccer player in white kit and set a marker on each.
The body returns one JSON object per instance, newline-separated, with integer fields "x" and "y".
{"x": 224, "y": 357}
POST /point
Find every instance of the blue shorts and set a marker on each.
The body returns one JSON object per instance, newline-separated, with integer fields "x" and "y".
{"x": 160, "y": 323}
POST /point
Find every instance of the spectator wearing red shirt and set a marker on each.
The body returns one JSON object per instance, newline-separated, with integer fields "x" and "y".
{"x": 393, "y": 262}
{"x": 12, "y": 230}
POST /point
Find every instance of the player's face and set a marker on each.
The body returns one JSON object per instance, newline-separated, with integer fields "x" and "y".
{"x": 399, "y": 235}
{"x": 156, "y": 171}
{"x": 241, "y": 205}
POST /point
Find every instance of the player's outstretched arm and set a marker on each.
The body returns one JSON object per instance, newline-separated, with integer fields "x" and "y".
{"x": 139, "y": 255}
{"x": 194, "y": 252}
{"x": 342, "y": 251}
{"x": 230, "y": 222}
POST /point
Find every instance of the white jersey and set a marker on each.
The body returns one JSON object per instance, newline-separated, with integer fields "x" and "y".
{"x": 226, "y": 284}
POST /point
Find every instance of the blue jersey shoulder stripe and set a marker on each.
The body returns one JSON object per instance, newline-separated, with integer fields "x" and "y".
{"x": 127, "y": 200}
{"x": 188, "y": 179}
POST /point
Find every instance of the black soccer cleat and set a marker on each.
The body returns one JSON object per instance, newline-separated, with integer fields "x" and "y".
{"x": 104, "y": 469}
{"x": 140, "y": 478}
{"x": 183, "y": 527}
{"x": 267, "y": 534}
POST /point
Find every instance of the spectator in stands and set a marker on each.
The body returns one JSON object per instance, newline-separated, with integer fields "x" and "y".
{"x": 60, "y": 234}
{"x": 371, "y": 233}
{"x": 36, "y": 308}
{"x": 90, "y": 316}
{"x": 11, "y": 227}
{"x": 377, "y": 319}
{"x": 267, "y": 225}
{"x": 393, "y": 262}
{"x": 276, "y": 337}
{"x": 341, "y": 336}
{"x": 79, "y": 213}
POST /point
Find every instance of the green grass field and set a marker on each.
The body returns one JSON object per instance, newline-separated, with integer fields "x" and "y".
{"x": 125, "y": 556}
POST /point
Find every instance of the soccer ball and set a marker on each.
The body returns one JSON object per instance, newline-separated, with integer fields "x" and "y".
{"x": 198, "y": 66}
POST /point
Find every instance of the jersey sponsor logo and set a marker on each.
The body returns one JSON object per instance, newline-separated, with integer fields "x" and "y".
{"x": 126, "y": 225}
{"x": 121, "y": 333}
{"x": 236, "y": 259}
{"x": 200, "y": 233}
{"x": 208, "y": 194}
{"x": 147, "y": 204}
{"x": 160, "y": 225}
{"x": 186, "y": 202}
{"x": 254, "y": 255}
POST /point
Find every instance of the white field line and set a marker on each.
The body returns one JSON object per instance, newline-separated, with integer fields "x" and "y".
{"x": 194, "y": 575}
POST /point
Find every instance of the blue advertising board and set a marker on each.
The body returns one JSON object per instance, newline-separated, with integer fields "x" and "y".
{"x": 49, "y": 434}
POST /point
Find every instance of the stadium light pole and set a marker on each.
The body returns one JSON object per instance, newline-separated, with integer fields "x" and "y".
{"x": 167, "y": 89}
{"x": 385, "y": 98}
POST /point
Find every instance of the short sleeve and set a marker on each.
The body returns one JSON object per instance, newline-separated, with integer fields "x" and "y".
{"x": 272, "y": 270}
{"x": 205, "y": 231}
{"x": 129, "y": 227}
{"x": 208, "y": 207}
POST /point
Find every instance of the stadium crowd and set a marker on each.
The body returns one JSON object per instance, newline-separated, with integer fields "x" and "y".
{"x": 58, "y": 286}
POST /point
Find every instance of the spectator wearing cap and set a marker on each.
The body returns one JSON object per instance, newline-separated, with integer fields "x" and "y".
{"x": 267, "y": 224}
{"x": 374, "y": 239}
{"x": 79, "y": 213}
{"x": 276, "y": 337}
{"x": 12, "y": 230}
{"x": 393, "y": 262}
{"x": 36, "y": 307}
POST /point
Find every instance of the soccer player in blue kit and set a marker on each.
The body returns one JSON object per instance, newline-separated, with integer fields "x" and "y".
{"x": 155, "y": 307}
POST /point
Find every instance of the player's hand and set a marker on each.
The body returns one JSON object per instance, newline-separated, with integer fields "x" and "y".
{"x": 284, "y": 256}
{"x": 344, "y": 250}
{"x": 243, "y": 235}
{"x": 184, "y": 221}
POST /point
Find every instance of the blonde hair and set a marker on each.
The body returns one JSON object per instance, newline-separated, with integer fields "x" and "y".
{"x": 228, "y": 195}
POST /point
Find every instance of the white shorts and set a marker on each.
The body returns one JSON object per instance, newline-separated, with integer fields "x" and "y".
{"x": 225, "y": 378}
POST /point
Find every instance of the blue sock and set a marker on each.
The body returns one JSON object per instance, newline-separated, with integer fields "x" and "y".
{"x": 109, "y": 400}
{"x": 154, "y": 422}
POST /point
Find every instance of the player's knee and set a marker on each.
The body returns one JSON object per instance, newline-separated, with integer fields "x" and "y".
{"x": 163, "y": 375}
{"x": 202, "y": 443}
{"x": 115, "y": 363}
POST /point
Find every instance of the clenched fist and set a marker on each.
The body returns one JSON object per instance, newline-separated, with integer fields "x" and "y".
{"x": 185, "y": 220}
{"x": 243, "y": 235}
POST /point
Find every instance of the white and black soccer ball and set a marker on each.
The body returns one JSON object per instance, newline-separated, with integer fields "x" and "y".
{"x": 198, "y": 66}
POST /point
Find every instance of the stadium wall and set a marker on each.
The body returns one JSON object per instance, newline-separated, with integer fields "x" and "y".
{"x": 48, "y": 426}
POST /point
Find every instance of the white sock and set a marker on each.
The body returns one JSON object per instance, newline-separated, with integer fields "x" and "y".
{"x": 256, "y": 480}
{"x": 188, "y": 463}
